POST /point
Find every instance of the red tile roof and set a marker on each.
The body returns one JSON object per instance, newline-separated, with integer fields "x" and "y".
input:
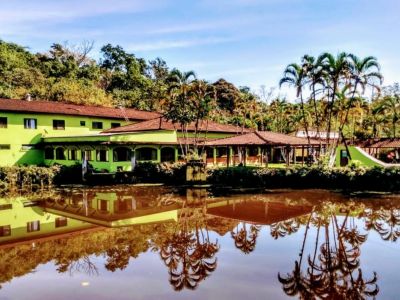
{"x": 261, "y": 138}
{"x": 389, "y": 143}
{"x": 51, "y": 107}
{"x": 163, "y": 124}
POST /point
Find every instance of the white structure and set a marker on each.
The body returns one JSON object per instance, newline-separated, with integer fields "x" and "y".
{"x": 312, "y": 133}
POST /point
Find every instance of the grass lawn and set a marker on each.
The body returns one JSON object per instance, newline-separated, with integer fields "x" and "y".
{"x": 356, "y": 156}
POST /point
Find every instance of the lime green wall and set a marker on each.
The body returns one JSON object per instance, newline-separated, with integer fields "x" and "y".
{"x": 19, "y": 216}
{"x": 16, "y": 135}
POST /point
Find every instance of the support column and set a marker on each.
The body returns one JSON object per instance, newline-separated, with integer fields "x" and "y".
{"x": 302, "y": 155}
{"x": 214, "y": 155}
{"x": 228, "y": 156}
{"x": 158, "y": 154}
{"x": 266, "y": 155}
{"x": 176, "y": 154}
{"x": 288, "y": 156}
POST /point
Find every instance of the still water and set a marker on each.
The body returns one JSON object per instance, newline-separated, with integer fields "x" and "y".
{"x": 158, "y": 243}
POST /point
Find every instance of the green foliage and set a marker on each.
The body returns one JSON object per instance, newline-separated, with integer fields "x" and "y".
{"x": 351, "y": 178}
{"x": 27, "y": 178}
{"x": 165, "y": 172}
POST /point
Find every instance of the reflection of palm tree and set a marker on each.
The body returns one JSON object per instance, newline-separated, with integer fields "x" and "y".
{"x": 333, "y": 270}
{"x": 283, "y": 228}
{"x": 246, "y": 240}
{"x": 189, "y": 254}
{"x": 386, "y": 222}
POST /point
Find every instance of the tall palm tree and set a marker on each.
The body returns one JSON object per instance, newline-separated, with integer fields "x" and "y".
{"x": 296, "y": 75}
{"x": 336, "y": 70}
{"x": 315, "y": 74}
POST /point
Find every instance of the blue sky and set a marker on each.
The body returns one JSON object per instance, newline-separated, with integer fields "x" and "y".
{"x": 248, "y": 42}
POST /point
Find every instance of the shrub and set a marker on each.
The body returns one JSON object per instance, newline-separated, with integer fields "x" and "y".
{"x": 350, "y": 178}
{"x": 27, "y": 177}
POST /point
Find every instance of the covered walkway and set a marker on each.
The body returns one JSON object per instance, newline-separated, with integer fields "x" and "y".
{"x": 260, "y": 148}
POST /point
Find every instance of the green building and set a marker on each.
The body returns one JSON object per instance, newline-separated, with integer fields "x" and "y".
{"x": 115, "y": 139}
{"x": 47, "y": 133}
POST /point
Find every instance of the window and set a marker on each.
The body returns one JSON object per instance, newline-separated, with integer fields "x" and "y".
{"x": 33, "y": 226}
{"x": 87, "y": 154}
{"x": 102, "y": 155}
{"x": 114, "y": 125}
{"x": 30, "y": 123}
{"x": 60, "y": 154}
{"x": 167, "y": 154}
{"x": 61, "y": 222}
{"x": 5, "y": 230}
{"x": 83, "y": 123}
{"x": 48, "y": 153}
{"x": 122, "y": 154}
{"x": 146, "y": 153}
{"x": 5, "y": 146}
{"x": 103, "y": 205}
{"x": 73, "y": 154}
{"x": 58, "y": 124}
{"x": 97, "y": 125}
{"x": 5, "y": 206}
{"x": 3, "y": 122}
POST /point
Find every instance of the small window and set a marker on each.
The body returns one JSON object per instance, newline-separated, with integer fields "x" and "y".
{"x": 30, "y": 123}
{"x": 61, "y": 222}
{"x": 97, "y": 125}
{"x": 33, "y": 226}
{"x": 146, "y": 154}
{"x": 103, "y": 205}
{"x": 5, "y": 146}
{"x": 48, "y": 153}
{"x": 5, "y": 206}
{"x": 115, "y": 125}
{"x": 60, "y": 154}
{"x": 102, "y": 155}
{"x": 83, "y": 123}
{"x": 87, "y": 154}
{"x": 5, "y": 230}
{"x": 122, "y": 154}
{"x": 73, "y": 154}
{"x": 27, "y": 147}
{"x": 3, "y": 122}
{"x": 58, "y": 124}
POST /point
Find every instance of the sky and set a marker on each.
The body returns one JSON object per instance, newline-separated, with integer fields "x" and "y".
{"x": 247, "y": 42}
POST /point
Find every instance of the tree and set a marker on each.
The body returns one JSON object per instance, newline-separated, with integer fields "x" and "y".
{"x": 296, "y": 75}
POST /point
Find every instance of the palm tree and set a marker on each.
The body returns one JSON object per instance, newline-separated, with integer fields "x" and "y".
{"x": 336, "y": 71}
{"x": 315, "y": 74}
{"x": 296, "y": 75}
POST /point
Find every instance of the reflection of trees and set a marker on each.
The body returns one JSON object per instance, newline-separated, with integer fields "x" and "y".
{"x": 81, "y": 265}
{"x": 245, "y": 239}
{"x": 333, "y": 266}
{"x": 284, "y": 228}
{"x": 188, "y": 253}
{"x": 386, "y": 222}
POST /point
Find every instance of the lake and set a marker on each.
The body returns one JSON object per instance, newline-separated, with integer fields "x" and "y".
{"x": 153, "y": 242}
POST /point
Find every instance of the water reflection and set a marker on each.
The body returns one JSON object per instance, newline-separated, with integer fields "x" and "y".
{"x": 77, "y": 230}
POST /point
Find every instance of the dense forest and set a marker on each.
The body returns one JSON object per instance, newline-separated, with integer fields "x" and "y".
{"x": 341, "y": 93}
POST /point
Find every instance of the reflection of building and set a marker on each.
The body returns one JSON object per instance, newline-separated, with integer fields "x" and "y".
{"x": 19, "y": 222}
{"x": 259, "y": 212}
{"x": 114, "y": 209}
